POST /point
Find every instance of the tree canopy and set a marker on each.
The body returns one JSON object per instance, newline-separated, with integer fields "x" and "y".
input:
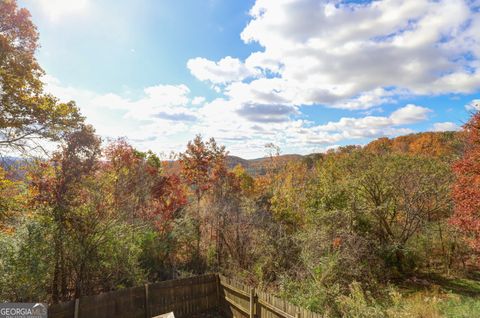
{"x": 27, "y": 114}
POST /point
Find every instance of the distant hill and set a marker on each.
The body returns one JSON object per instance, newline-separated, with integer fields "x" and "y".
{"x": 252, "y": 166}
{"x": 15, "y": 166}
{"x": 437, "y": 144}
{"x": 259, "y": 166}
{"x": 446, "y": 144}
{"x": 8, "y": 162}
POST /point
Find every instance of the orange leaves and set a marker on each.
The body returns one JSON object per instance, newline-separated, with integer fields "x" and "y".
{"x": 433, "y": 144}
{"x": 139, "y": 188}
{"x": 202, "y": 164}
{"x": 466, "y": 189}
{"x": 168, "y": 197}
{"x": 42, "y": 184}
{"x": 11, "y": 201}
{"x": 120, "y": 153}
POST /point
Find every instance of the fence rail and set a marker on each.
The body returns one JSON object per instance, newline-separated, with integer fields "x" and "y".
{"x": 185, "y": 297}
{"x": 241, "y": 301}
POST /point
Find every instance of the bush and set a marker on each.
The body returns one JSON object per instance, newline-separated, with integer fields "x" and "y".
{"x": 25, "y": 257}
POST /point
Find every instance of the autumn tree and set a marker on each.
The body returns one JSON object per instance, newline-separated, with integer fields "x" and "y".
{"x": 466, "y": 189}
{"x": 288, "y": 200}
{"x": 247, "y": 182}
{"x": 202, "y": 164}
{"x": 139, "y": 187}
{"x": 11, "y": 200}
{"x": 132, "y": 175}
{"x": 148, "y": 198}
{"x": 27, "y": 114}
{"x": 58, "y": 187}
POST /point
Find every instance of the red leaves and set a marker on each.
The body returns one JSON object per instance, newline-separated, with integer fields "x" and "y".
{"x": 168, "y": 197}
{"x": 202, "y": 164}
{"x": 466, "y": 189}
{"x": 120, "y": 154}
{"x": 137, "y": 177}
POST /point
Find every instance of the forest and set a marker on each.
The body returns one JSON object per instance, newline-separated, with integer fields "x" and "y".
{"x": 389, "y": 229}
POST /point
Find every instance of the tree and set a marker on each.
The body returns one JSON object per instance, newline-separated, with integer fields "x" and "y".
{"x": 466, "y": 188}
{"x": 140, "y": 190}
{"x": 400, "y": 194}
{"x": 202, "y": 164}
{"x": 27, "y": 114}
{"x": 59, "y": 188}
{"x": 247, "y": 182}
{"x": 148, "y": 199}
{"x": 288, "y": 200}
{"x": 381, "y": 201}
{"x": 131, "y": 177}
{"x": 11, "y": 200}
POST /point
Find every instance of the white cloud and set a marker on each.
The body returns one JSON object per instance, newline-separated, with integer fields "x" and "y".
{"x": 162, "y": 110}
{"x": 225, "y": 121}
{"x": 350, "y": 55}
{"x": 198, "y": 100}
{"x": 161, "y": 119}
{"x": 445, "y": 126}
{"x": 474, "y": 105}
{"x": 224, "y": 71}
{"x": 266, "y": 113}
{"x": 409, "y": 114}
{"x": 367, "y": 127}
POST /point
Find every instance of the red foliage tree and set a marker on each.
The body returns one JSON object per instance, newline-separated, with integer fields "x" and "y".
{"x": 168, "y": 197}
{"x": 466, "y": 189}
{"x": 202, "y": 164}
{"x": 140, "y": 188}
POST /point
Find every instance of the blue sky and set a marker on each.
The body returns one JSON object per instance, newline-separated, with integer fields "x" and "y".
{"x": 307, "y": 75}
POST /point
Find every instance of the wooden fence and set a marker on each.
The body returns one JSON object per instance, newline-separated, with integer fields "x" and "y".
{"x": 184, "y": 297}
{"x": 241, "y": 301}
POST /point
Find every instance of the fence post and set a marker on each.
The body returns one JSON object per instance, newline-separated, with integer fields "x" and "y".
{"x": 298, "y": 315}
{"x": 252, "y": 303}
{"x": 77, "y": 305}
{"x": 147, "y": 303}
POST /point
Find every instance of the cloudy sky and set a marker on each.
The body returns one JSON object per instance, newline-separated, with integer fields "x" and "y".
{"x": 307, "y": 75}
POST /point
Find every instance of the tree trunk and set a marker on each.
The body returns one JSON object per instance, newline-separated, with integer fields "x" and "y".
{"x": 399, "y": 255}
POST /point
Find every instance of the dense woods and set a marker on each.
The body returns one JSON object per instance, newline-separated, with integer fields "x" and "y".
{"x": 341, "y": 233}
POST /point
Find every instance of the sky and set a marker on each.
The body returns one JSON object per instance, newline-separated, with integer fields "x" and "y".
{"x": 306, "y": 75}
